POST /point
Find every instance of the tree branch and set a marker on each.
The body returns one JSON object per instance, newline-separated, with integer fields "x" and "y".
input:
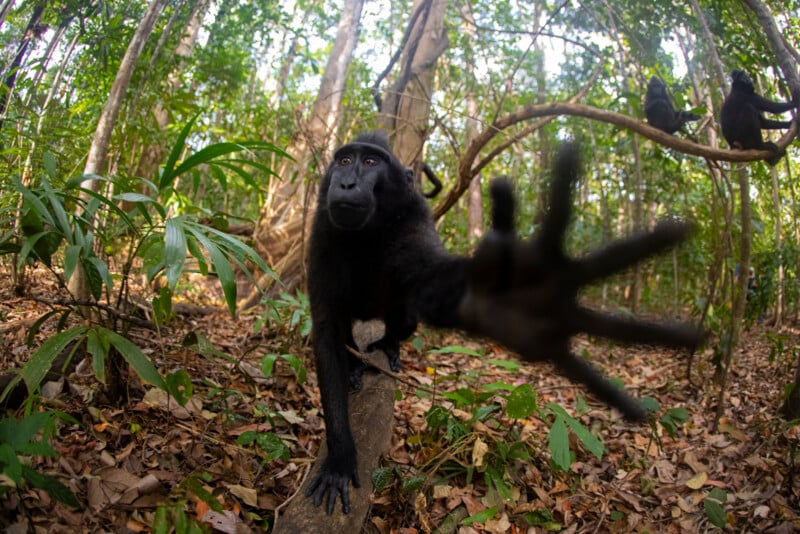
{"x": 466, "y": 170}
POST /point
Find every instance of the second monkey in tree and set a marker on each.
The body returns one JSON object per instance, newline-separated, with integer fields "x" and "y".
{"x": 742, "y": 119}
{"x": 659, "y": 110}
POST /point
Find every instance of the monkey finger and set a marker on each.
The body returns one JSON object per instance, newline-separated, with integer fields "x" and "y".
{"x": 581, "y": 371}
{"x": 502, "y": 206}
{"x": 626, "y": 330}
{"x": 490, "y": 268}
{"x": 626, "y": 252}
{"x": 565, "y": 173}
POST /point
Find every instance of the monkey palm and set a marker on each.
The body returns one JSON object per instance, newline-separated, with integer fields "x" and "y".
{"x": 375, "y": 254}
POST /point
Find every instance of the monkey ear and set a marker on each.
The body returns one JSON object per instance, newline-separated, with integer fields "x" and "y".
{"x": 409, "y": 172}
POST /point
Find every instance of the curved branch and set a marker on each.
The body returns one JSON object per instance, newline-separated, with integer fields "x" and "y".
{"x": 466, "y": 169}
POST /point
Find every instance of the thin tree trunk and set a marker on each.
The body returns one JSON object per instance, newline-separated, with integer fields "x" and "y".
{"x": 98, "y": 150}
{"x": 33, "y": 30}
{"x": 740, "y": 295}
{"x": 45, "y": 61}
{"x": 279, "y": 235}
{"x": 783, "y": 55}
{"x": 776, "y": 201}
{"x": 475, "y": 195}
{"x": 5, "y": 7}
{"x": 406, "y": 105}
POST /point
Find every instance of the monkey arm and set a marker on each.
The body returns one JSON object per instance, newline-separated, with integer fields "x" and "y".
{"x": 764, "y": 104}
{"x": 770, "y": 124}
{"x": 524, "y": 294}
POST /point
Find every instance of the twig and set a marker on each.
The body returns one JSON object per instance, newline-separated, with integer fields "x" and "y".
{"x": 105, "y": 307}
{"x": 389, "y": 373}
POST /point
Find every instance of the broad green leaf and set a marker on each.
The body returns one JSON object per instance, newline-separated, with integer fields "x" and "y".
{"x": 521, "y": 402}
{"x": 40, "y": 361}
{"x": 174, "y": 251}
{"x": 714, "y": 509}
{"x": 98, "y": 347}
{"x": 589, "y": 440}
{"x": 456, "y": 349}
{"x": 481, "y": 517}
{"x": 179, "y": 385}
{"x": 559, "y": 444}
{"x": 511, "y": 365}
{"x": 382, "y": 477}
{"x": 51, "y": 486}
{"x": 222, "y": 267}
{"x": 135, "y": 358}
{"x": 168, "y": 174}
{"x": 268, "y": 364}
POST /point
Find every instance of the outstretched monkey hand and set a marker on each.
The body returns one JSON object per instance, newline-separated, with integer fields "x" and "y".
{"x": 524, "y": 293}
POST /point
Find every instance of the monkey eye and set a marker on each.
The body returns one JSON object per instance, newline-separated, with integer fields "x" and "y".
{"x": 345, "y": 160}
{"x": 371, "y": 161}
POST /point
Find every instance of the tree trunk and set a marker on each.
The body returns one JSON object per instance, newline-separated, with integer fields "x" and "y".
{"x": 475, "y": 197}
{"x": 406, "y": 104}
{"x": 33, "y": 31}
{"x": 5, "y": 7}
{"x": 98, "y": 150}
{"x": 279, "y": 235}
{"x": 776, "y": 201}
{"x": 786, "y": 62}
{"x": 95, "y": 161}
{"x": 740, "y": 295}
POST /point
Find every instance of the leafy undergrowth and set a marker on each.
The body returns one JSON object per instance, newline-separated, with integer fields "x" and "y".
{"x": 246, "y": 438}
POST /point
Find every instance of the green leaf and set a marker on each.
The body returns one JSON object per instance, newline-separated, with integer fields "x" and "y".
{"x": 49, "y": 164}
{"x": 179, "y": 385}
{"x": 521, "y": 402}
{"x": 713, "y": 507}
{"x": 268, "y": 364}
{"x": 481, "y": 517}
{"x": 222, "y": 267}
{"x": 559, "y": 444}
{"x": 9, "y": 464}
{"x": 382, "y": 477}
{"x": 133, "y": 197}
{"x": 40, "y": 361}
{"x": 412, "y": 483}
{"x": 456, "y": 349}
{"x": 174, "y": 250}
{"x": 98, "y": 347}
{"x": 135, "y": 358}
{"x": 511, "y": 365}
{"x": 297, "y": 366}
{"x": 169, "y": 174}
{"x": 589, "y": 440}
{"x": 51, "y": 486}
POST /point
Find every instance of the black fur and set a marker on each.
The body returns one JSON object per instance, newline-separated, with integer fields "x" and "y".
{"x": 659, "y": 111}
{"x": 742, "y": 119}
{"x": 375, "y": 254}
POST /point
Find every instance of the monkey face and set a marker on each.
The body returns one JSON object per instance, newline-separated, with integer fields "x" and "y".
{"x": 357, "y": 171}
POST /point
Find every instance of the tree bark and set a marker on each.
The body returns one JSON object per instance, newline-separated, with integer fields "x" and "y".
{"x": 371, "y": 418}
{"x": 279, "y": 235}
{"x": 95, "y": 161}
{"x": 32, "y": 32}
{"x": 776, "y": 202}
{"x": 98, "y": 150}
{"x": 783, "y": 55}
{"x": 740, "y": 295}
{"x": 407, "y": 103}
{"x": 5, "y": 7}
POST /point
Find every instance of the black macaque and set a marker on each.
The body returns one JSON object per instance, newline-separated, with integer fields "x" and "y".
{"x": 659, "y": 111}
{"x": 742, "y": 119}
{"x": 375, "y": 253}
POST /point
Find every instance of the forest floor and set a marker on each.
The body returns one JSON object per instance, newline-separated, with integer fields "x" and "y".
{"x": 122, "y": 462}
